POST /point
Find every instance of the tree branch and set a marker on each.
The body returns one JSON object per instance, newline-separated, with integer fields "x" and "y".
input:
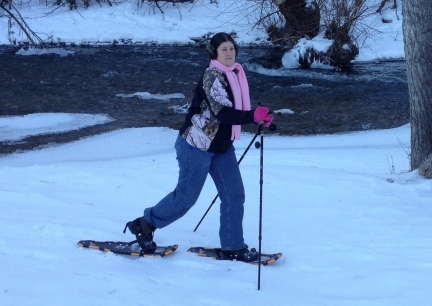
{"x": 21, "y": 22}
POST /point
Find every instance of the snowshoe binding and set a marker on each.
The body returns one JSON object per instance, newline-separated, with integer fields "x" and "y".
{"x": 144, "y": 231}
{"x": 244, "y": 254}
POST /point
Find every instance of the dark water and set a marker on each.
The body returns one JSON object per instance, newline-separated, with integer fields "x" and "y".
{"x": 372, "y": 96}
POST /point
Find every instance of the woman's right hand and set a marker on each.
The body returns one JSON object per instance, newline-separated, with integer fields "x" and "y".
{"x": 262, "y": 115}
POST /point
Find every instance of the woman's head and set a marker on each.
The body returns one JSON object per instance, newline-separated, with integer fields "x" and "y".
{"x": 220, "y": 44}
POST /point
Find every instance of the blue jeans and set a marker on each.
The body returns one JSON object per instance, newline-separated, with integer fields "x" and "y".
{"x": 194, "y": 166}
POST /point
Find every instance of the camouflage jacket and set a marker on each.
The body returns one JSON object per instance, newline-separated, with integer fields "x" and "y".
{"x": 211, "y": 114}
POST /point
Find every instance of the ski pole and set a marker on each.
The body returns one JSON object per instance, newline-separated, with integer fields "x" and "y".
{"x": 261, "y": 146}
{"x": 216, "y": 197}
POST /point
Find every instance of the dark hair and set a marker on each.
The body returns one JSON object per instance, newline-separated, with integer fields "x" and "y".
{"x": 217, "y": 40}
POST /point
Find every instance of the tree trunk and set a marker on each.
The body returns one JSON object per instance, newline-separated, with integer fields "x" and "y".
{"x": 301, "y": 19}
{"x": 417, "y": 30}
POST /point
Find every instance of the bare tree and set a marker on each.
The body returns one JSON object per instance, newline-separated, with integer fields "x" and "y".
{"x": 417, "y": 29}
{"x": 342, "y": 20}
{"x": 16, "y": 18}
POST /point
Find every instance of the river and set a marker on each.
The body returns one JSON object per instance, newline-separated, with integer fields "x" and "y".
{"x": 89, "y": 80}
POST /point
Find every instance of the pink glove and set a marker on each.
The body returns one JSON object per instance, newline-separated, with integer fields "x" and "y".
{"x": 261, "y": 115}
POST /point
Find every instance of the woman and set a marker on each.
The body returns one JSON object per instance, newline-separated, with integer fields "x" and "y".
{"x": 205, "y": 146}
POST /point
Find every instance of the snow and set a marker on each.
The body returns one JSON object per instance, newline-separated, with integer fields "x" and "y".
{"x": 291, "y": 58}
{"x": 126, "y": 22}
{"x": 147, "y": 95}
{"x": 353, "y": 224}
{"x": 15, "y": 128}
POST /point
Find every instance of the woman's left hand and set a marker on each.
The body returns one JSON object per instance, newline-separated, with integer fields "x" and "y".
{"x": 262, "y": 115}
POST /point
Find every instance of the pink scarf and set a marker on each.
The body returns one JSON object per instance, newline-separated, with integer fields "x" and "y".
{"x": 239, "y": 87}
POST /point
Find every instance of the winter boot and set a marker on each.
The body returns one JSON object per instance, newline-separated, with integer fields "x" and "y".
{"x": 143, "y": 230}
{"x": 241, "y": 255}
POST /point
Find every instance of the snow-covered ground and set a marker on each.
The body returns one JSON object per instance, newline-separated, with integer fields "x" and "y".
{"x": 125, "y": 22}
{"x": 354, "y": 226}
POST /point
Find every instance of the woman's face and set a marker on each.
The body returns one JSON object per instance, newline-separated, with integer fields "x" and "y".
{"x": 226, "y": 53}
